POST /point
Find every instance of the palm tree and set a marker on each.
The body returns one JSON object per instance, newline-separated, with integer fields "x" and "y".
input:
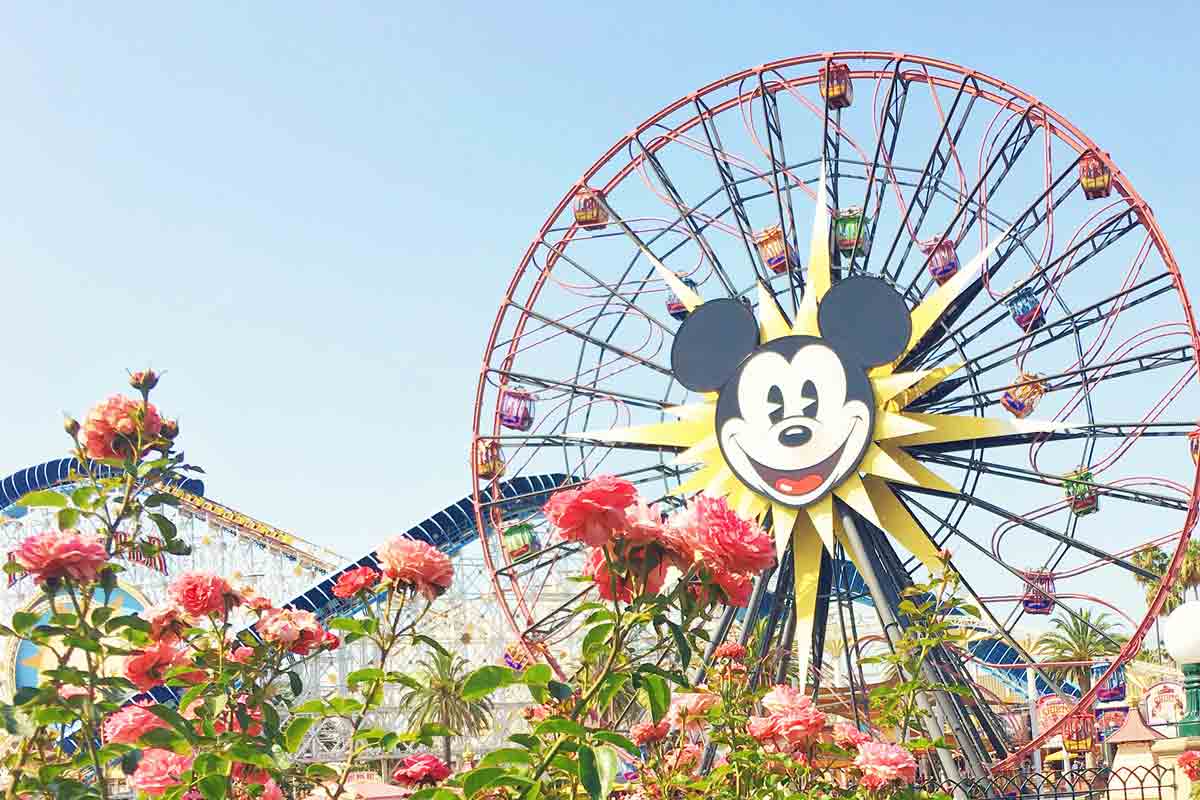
{"x": 1083, "y": 637}
{"x": 1156, "y": 560}
{"x": 439, "y": 699}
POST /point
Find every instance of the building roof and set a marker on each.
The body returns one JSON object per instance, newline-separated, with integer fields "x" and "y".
{"x": 1134, "y": 729}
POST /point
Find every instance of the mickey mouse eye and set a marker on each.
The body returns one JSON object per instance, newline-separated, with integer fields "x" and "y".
{"x": 809, "y": 407}
{"x": 775, "y": 403}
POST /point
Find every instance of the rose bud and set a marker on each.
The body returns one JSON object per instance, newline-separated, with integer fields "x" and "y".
{"x": 71, "y": 426}
{"x": 169, "y": 430}
{"x": 143, "y": 380}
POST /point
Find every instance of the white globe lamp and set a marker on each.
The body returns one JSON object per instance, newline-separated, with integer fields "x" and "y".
{"x": 1181, "y": 629}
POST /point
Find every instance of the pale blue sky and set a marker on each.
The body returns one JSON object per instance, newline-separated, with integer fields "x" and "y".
{"x": 308, "y": 213}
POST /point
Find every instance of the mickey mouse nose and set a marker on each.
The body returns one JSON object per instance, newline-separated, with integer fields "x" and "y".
{"x": 794, "y": 436}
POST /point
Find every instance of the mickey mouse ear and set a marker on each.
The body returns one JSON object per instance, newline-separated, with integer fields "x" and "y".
{"x": 865, "y": 319}
{"x": 711, "y": 344}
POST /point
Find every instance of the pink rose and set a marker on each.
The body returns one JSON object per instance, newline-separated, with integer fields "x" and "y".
{"x": 51, "y": 555}
{"x": 684, "y": 758}
{"x": 130, "y": 724}
{"x": 783, "y": 698}
{"x": 271, "y": 791}
{"x": 158, "y": 771}
{"x": 110, "y": 428}
{"x": 619, "y": 587}
{"x": 689, "y": 710}
{"x": 253, "y": 600}
{"x": 201, "y": 594}
{"x": 71, "y": 692}
{"x": 354, "y": 581}
{"x": 848, "y": 737}
{"x": 241, "y": 655}
{"x": 167, "y": 620}
{"x": 643, "y": 523}
{"x": 536, "y": 713}
{"x": 646, "y": 733}
{"x": 764, "y": 730}
{"x": 421, "y": 769}
{"x": 297, "y": 631}
{"x": 732, "y": 588}
{"x": 592, "y": 514}
{"x": 411, "y": 562}
{"x": 725, "y": 540}
{"x": 800, "y": 725}
{"x": 147, "y": 668}
{"x": 881, "y": 763}
{"x": 1189, "y": 762}
{"x": 730, "y": 651}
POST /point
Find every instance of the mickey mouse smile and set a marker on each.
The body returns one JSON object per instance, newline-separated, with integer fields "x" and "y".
{"x": 797, "y": 482}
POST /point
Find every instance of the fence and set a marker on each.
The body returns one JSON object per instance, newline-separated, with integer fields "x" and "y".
{"x": 1102, "y": 783}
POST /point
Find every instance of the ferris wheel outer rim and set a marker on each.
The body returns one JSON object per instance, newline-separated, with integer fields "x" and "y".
{"x": 1079, "y": 141}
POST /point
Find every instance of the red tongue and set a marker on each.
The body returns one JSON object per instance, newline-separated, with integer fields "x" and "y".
{"x": 794, "y": 486}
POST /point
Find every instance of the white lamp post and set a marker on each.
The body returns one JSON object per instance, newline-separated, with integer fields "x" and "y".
{"x": 1181, "y": 630}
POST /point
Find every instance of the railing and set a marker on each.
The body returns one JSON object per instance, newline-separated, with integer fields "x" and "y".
{"x": 1155, "y": 782}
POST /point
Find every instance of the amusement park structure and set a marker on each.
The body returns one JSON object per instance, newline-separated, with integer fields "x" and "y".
{"x": 1027, "y": 354}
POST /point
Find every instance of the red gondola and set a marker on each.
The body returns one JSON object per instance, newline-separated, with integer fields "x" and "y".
{"x": 1094, "y": 176}
{"x": 590, "y": 211}
{"x": 1039, "y": 592}
{"x": 836, "y": 86}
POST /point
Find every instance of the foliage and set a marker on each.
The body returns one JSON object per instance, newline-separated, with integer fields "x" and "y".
{"x": 437, "y": 697}
{"x": 1081, "y": 637}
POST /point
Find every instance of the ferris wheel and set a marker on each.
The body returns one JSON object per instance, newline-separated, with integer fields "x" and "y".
{"x": 887, "y": 305}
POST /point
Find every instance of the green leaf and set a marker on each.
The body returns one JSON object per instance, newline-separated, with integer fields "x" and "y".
{"x": 165, "y": 526}
{"x": 161, "y": 499}
{"x": 538, "y": 675}
{"x": 295, "y": 683}
{"x": 84, "y": 497}
{"x": 681, "y": 644}
{"x": 525, "y": 740}
{"x": 589, "y": 775}
{"x": 320, "y": 772}
{"x": 563, "y": 726}
{"x": 486, "y": 680}
{"x": 178, "y": 547}
{"x": 297, "y": 727}
{"x": 247, "y": 754}
{"x": 23, "y": 622}
{"x": 67, "y": 518}
{"x": 431, "y": 729}
{"x": 658, "y": 696}
{"x": 559, "y": 691}
{"x": 607, "y": 765}
{"x": 172, "y": 718}
{"x": 505, "y": 755}
{"x": 213, "y": 787}
{"x": 46, "y": 498}
{"x": 363, "y": 676}
{"x": 612, "y": 685}
{"x": 676, "y": 678}
{"x": 620, "y": 741}
{"x": 480, "y": 778}
{"x": 434, "y": 643}
{"x": 596, "y": 637}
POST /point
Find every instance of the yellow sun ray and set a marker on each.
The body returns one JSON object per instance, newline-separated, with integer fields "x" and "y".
{"x": 771, "y": 322}
{"x": 900, "y": 524}
{"x": 818, "y": 277}
{"x": 924, "y": 477}
{"x": 888, "y": 386}
{"x": 932, "y": 378}
{"x": 892, "y": 426}
{"x": 806, "y": 552}
{"x": 702, "y": 451}
{"x": 783, "y": 521}
{"x": 854, "y": 494}
{"x": 953, "y": 428}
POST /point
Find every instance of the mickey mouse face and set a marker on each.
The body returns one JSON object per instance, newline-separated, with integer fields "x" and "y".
{"x": 795, "y": 415}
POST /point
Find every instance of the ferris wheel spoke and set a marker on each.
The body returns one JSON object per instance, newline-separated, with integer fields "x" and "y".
{"x": 946, "y": 401}
{"x": 729, "y": 181}
{"x": 889, "y": 131}
{"x": 685, "y": 214}
{"x": 1036, "y": 527}
{"x": 560, "y": 254}
{"x": 612, "y": 348}
{"x": 587, "y": 390}
{"x": 782, "y": 189}
{"x": 1111, "y": 430}
{"x": 1062, "y": 327}
{"x": 1008, "y": 154}
{"x": 940, "y": 158}
{"x": 1047, "y": 479}
{"x": 1076, "y": 256}
{"x": 1016, "y": 573}
{"x": 1027, "y": 223}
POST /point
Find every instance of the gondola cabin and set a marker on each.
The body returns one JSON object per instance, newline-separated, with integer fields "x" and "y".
{"x": 1022, "y": 398}
{"x": 1113, "y": 689}
{"x": 849, "y": 231}
{"x": 489, "y": 463}
{"x": 1039, "y": 593}
{"x": 1094, "y": 176}
{"x": 1082, "y": 494}
{"x": 675, "y": 306}
{"x": 519, "y": 540}
{"x": 1079, "y": 732}
{"x": 516, "y": 408}
{"x": 836, "y": 86}
{"x": 943, "y": 259}
{"x": 1194, "y": 444}
{"x": 590, "y": 211}
{"x": 774, "y": 250}
{"x": 1026, "y": 309}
